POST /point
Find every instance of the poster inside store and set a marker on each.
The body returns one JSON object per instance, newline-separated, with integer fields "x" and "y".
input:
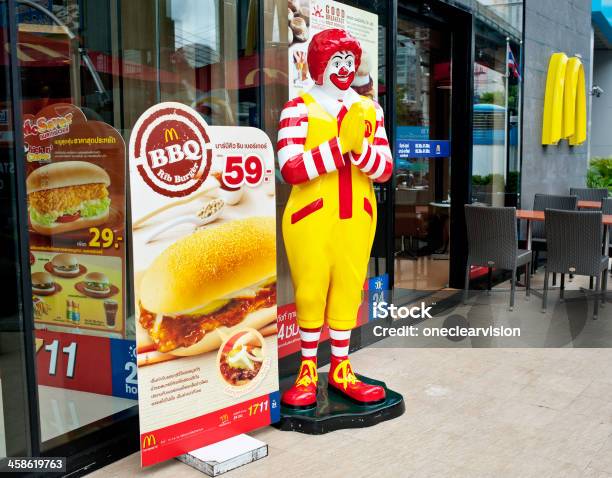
{"x": 204, "y": 252}
{"x": 308, "y": 17}
{"x": 75, "y": 189}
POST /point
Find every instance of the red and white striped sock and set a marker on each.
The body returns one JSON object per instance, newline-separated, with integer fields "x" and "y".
{"x": 310, "y": 342}
{"x": 340, "y": 340}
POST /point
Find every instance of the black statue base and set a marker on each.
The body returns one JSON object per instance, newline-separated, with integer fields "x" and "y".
{"x": 334, "y": 412}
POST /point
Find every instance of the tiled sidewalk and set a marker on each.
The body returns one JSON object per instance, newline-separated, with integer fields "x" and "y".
{"x": 470, "y": 413}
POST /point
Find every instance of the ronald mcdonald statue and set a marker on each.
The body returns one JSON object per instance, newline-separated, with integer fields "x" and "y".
{"x": 331, "y": 146}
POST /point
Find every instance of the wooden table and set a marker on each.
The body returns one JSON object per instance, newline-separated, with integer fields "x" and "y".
{"x": 531, "y": 216}
{"x": 589, "y": 204}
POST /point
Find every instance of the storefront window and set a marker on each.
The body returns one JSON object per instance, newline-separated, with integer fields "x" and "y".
{"x": 88, "y": 71}
{"x": 200, "y": 53}
{"x": 100, "y": 64}
{"x": 496, "y": 117}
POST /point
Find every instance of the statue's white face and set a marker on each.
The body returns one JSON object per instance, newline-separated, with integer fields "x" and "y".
{"x": 340, "y": 70}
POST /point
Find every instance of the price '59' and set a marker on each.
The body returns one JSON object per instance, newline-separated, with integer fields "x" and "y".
{"x": 241, "y": 170}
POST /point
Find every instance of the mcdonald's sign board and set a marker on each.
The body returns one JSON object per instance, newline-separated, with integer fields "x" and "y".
{"x": 564, "y": 101}
{"x": 191, "y": 393}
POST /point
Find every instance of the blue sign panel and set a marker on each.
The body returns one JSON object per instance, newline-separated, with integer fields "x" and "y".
{"x": 378, "y": 291}
{"x": 409, "y": 148}
{"x": 412, "y": 132}
{"x": 123, "y": 362}
{"x": 274, "y": 407}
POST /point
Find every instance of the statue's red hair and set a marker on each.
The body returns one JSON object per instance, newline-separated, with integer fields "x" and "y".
{"x": 322, "y": 47}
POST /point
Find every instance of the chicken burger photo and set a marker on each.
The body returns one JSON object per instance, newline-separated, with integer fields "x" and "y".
{"x": 67, "y": 196}
{"x": 209, "y": 285}
{"x": 65, "y": 265}
{"x": 96, "y": 284}
{"x": 42, "y": 283}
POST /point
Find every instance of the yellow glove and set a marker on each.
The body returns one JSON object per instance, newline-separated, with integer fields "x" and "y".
{"x": 352, "y": 130}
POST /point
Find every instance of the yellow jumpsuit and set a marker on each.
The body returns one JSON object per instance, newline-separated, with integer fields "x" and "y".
{"x": 328, "y": 255}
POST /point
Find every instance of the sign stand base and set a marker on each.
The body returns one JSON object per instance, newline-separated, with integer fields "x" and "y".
{"x": 226, "y": 455}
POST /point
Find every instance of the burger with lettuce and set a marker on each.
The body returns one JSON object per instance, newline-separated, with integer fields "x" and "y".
{"x": 97, "y": 284}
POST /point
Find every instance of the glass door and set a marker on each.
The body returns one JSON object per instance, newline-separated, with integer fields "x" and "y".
{"x": 422, "y": 167}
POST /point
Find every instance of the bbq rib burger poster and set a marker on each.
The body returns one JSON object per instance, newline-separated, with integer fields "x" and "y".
{"x": 204, "y": 252}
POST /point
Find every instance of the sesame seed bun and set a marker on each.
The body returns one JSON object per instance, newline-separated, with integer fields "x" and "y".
{"x": 97, "y": 277}
{"x": 66, "y": 173}
{"x": 64, "y": 260}
{"x": 210, "y": 264}
{"x": 39, "y": 278}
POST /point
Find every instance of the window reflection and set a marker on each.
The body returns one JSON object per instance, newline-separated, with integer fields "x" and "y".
{"x": 496, "y": 164}
{"x": 199, "y": 53}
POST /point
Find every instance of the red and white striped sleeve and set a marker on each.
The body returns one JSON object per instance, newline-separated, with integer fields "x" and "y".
{"x": 375, "y": 159}
{"x": 296, "y": 165}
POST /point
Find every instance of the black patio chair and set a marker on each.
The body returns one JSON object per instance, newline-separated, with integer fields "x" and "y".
{"x": 492, "y": 242}
{"x": 589, "y": 194}
{"x": 542, "y": 202}
{"x": 606, "y": 208}
{"x": 575, "y": 247}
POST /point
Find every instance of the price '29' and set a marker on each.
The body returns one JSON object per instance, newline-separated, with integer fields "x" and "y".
{"x": 103, "y": 238}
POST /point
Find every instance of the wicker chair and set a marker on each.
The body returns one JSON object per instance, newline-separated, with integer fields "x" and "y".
{"x": 606, "y": 208}
{"x": 492, "y": 242}
{"x": 589, "y": 194}
{"x": 542, "y": 202}
{"x": 574, "y": 247}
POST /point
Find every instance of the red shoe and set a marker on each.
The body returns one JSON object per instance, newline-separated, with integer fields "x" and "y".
{"x": 343, "y": 381}
{"x": 303, "y": 394}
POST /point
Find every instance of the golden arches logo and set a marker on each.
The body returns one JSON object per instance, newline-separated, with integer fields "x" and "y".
{"x": 170, "y": 134}
{"x": 368, "y": 128}
{"x": 149, "y": 441}
{"x": 564, "y": 101}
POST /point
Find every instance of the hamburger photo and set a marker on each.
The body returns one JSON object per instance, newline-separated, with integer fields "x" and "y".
{"x": 96, "y": 284}
{"x": 210, "y": 285}
{"x": 65, "y": 265}
{"x": 67, "y": 196}
{"x": 42, "y": 283}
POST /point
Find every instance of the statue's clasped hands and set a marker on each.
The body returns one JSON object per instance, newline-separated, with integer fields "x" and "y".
{"x": 352, "y": 130}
